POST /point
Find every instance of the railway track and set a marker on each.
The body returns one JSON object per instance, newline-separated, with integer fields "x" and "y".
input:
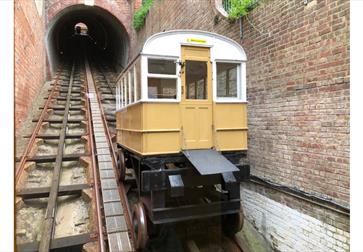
{"x": 213, "y": 241}
{"x": 66, "y": 194}
{"x": 195, "y": 236}
{"x": 56, "y": 206}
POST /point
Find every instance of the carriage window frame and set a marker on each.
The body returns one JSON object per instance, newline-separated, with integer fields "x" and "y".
{"x": 129, "y": 89}
{"x": 145, "y": 85}
{"x": 241, "y": 82}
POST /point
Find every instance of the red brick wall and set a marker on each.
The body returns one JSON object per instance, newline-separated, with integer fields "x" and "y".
{"x": 29, "y": 56}
{"x": 137, "y": 4}
{"x": 298, "y": 92}
{"x": 298, "y": 85}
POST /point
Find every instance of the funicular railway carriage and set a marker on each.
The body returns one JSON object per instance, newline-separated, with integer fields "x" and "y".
{"x": 182, "y": 128}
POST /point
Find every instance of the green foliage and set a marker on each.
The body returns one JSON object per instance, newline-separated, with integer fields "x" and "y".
{"x": 140, "y": 15}
{"x": 240, "y": 8}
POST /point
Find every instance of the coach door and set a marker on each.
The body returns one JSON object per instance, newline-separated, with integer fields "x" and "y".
{"x": 196, "y": 99}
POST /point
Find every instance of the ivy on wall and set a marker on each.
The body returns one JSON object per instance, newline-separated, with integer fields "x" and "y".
{"x": 240, "y": 8}
{"x": 140, "y": 15}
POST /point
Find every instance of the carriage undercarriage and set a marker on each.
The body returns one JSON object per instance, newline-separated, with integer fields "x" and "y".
{"x": 170, "y": 189}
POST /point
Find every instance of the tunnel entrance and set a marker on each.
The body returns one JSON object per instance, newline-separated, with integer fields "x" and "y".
{"x": 80, "y": 28}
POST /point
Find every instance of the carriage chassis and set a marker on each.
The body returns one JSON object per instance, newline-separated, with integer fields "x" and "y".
{"x": 172, "y": 178}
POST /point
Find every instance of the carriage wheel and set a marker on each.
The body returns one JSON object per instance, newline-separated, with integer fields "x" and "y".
{"x": 121, "y": 164}
{"x": 233, "y": 223}
{"x": 139, "y": 221}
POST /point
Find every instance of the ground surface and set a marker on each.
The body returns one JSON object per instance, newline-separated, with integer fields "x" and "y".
{"x": 27, "y": 126}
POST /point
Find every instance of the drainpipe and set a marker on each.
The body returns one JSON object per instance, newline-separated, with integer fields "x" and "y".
{"x": 240, "y": 28}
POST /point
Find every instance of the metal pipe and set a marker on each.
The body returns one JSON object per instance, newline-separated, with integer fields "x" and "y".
{"x": 303, "y": 196}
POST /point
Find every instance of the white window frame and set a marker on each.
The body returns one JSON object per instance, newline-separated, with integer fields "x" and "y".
{"x": 146, "y": 75}
{"x": 241, "y": 82}
{"x": 125, "y": 85}
{"x": 219, "y": 6}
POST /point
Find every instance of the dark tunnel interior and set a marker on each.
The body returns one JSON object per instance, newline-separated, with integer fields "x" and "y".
{"x": 106, "y": 40}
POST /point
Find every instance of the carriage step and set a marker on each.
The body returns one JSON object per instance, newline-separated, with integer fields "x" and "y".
{"x": 209, "y": 161}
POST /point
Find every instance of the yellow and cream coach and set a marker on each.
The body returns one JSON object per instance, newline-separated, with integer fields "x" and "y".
{"x": 181, "y": 120}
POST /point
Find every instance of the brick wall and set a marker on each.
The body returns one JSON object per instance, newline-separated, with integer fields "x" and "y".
{"x": 298, "y": 93}
{"x": 29, "y": 53}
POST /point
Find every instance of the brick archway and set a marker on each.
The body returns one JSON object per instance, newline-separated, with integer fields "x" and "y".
{"x": 115, "y": 12}
{"x": 118, "y": 8}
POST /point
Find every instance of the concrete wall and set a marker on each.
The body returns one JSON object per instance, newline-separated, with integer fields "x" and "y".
{"x": 289, "y": 228}
{"x": 29, "y": 56}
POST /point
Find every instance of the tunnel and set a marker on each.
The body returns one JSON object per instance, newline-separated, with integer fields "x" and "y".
{"x": 92, "y": 30}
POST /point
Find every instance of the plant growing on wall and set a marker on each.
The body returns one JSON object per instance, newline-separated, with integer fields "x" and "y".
{"x": 140, "y": 15}
{"x": 240, "y": 8}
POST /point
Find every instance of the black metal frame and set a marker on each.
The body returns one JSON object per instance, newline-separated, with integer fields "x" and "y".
{"x": 172, "y": 190}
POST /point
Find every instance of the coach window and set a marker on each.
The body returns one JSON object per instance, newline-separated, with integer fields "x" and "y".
{"x": 228, "y": 80}
{"x": 138, "y": 79}
{"x": 125, "y": 90}
{"x": 118, "y": 98}
{"x": 122, "y": 93}
{"x": 196, "y": 79}
{"x": 131, "y": 85}
{"x": 162, "y": 79}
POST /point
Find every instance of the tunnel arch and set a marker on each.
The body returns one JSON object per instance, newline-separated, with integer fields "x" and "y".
{"x": 109, "y": 36}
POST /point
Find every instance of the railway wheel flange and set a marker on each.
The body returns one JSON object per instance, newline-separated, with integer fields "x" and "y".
{"x": 139, "y": 221}
{"x": 121, "y": 164}
{"x": 233, "y": 223}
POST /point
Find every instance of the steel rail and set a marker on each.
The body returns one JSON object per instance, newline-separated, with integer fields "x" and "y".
{"x": 30, "y": 144}
{"x": 107, "y": 81}
{"x": 94, "y": 163}
{"x": 48, "y": 227}
{"x": 241, "y": 243}
{"x": 42, "y": 192}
